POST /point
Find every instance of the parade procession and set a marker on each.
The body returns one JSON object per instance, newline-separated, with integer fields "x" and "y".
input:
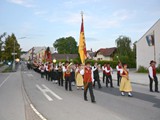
{"x": 86, "y": 76}
{"x": 80, "y": 60}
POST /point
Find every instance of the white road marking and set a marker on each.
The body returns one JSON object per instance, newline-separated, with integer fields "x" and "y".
{"x": 36, "y": 111}
{"x": 47, "y": 90}
{"x": 5, "y": 80}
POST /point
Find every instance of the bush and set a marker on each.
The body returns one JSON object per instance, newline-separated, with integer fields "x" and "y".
{"x": 112, "y": 63}
{"x": 158, "y": 69}
{"x": 142, "y": 69}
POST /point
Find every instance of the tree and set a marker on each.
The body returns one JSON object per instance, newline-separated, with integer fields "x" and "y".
{"x": 1, "y": 43}
{"x": 125, "y": 52}
{"x": 66, "y": 45}
{"x": 134, "y": 49}
{"x": 10, "y": 44}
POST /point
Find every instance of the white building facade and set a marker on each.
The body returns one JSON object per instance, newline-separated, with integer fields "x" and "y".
{"x": 146, "y": 53}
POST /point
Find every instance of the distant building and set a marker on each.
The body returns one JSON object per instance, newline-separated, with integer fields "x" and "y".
{"x": 36, "y": 53}
{"x": 90, "y": 54}
{"x": 148, "y": 46}
{"x": 105, "y": 54}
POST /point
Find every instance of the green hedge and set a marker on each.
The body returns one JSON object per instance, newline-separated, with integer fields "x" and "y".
{"x": 112, "y": 63}
{"x": 142, "y": 69}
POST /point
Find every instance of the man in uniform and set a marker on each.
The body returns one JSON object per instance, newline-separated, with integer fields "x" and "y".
{"x": 67, "y": 75}
{"x": 109, "y": 71}
{"x": 119, "y": 68}
{"x": 104, "y": 75}
{"x": 88, "y": 78}
{"x": 96, "y": 75}
{"x": 60, "y": 74}
{"x": 152, "y": 76}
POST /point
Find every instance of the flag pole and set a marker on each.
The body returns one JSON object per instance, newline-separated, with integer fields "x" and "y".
{"x": 154, "y": 47}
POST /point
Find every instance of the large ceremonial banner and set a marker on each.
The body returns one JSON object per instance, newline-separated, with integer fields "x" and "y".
{"x": 82, "y": 44}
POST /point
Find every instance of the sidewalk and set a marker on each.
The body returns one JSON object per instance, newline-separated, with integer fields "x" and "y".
{"x": 137, "y": 78}
{"x": 3, "y": 68}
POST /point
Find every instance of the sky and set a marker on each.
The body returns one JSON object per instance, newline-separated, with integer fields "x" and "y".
{"x": 41, "y": 22}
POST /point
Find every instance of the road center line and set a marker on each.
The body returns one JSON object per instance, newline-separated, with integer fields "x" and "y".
{"x": 46, "y": 90}
{"x": 54, "y": 94}
{"x": 4, "y": 81}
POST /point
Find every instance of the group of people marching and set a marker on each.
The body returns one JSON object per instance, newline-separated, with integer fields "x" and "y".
{"x": 86, "y": 76}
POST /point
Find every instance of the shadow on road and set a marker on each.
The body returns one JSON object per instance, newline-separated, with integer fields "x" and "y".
{"x": 136, "y": 95}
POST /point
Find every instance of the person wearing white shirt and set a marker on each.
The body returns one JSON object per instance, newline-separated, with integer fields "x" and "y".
{"x": 95, "y": 70}
{"x": 88, "y": 79}
{"x": 119, "y": 68}
{"x": 152, "y": 76}
{"x": 104, "y": 75}
{"x": 109, "y": 71}
{"x": 67, "y": 75}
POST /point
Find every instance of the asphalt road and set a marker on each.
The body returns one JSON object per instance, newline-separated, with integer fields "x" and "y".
{"x": 25, "y": 96}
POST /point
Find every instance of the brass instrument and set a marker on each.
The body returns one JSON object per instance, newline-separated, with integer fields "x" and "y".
{"x": 69, "y": 68}
{"x": 69, "y": 64}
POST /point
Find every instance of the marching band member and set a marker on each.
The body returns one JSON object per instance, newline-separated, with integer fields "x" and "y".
{"x": 125, "y": 85}
{"x": 42, "y": 70}
{"x": 46, "y": 71}
{"x": 49, "y": 67}
{"x": 95, "y": 70}
{"x": 67, "y": 75}
{"x": 109, "y": 71}
{"x": 152, "y": 76}
{"x": 88, "y": 79}
{"x": 60, "y": 74}
{"x": 118, "y": 67}
{"x": 104, "y": 75}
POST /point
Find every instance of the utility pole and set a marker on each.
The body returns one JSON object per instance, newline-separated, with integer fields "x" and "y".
{"x": 13, "y": 67}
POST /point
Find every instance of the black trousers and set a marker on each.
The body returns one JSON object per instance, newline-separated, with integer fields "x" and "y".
{"x": 46, "y": 73}
{"x": 88, "y": 86}
{"x": 151, "y": 83}
{"x": 109, "y": 80}
{"x": 118, "y": 79}
{"x": 42, "y": 74}
{"x": 96, "y": 79}
{"x": 104, "y": 75}
{"x": 60, "y": 78}
{"x": 68, "y": 82}
{"x": 49, "y": 75}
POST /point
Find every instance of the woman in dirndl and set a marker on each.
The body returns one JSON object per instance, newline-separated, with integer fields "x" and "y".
{"x": 79, "y": 78}
{"x": 125, "y": 85}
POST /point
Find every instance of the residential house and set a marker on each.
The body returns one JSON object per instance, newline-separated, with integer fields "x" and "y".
{"x": 148, "y": 46}
{"x": 105, "y": 54}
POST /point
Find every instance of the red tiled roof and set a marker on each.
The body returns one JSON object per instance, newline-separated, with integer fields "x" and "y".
{"x": 106, "y": 51}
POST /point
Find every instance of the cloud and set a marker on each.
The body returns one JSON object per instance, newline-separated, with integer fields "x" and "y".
{"x": 122, "y": 14}
{"x": 25, "y": 3}
{"x": 114, "y": 20}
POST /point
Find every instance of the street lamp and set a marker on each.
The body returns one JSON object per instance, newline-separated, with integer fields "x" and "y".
{"x": 54, "y": 61}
